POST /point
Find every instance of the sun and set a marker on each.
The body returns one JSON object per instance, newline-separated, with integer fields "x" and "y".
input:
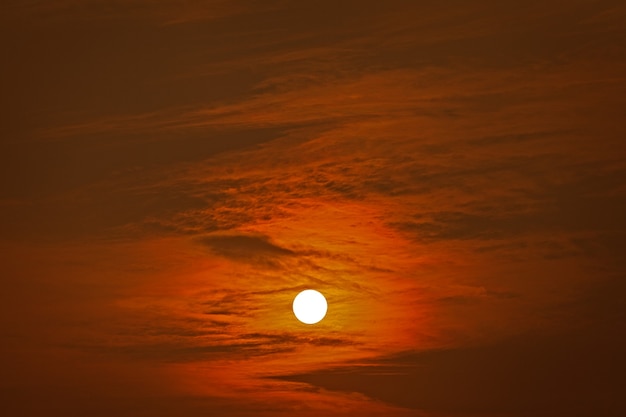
{"x": 310, "y": 306}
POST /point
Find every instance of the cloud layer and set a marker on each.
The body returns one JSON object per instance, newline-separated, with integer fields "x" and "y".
{"x": 449, "y": 175}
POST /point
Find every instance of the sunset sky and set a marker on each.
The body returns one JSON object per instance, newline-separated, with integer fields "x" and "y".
{"x": 451, "y": 175}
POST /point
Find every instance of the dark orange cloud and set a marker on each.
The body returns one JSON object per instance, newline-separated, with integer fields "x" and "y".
{"x": 450, "y": 176}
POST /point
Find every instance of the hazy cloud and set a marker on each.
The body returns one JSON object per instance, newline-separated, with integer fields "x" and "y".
{"x": 449, "y": 174}
{"x": 242, "y": 247}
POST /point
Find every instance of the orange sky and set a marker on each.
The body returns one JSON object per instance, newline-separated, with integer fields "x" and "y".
{"x": 451, "y": 175}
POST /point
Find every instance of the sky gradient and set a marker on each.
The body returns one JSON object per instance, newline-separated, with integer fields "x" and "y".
{"x": 451, "y": 175}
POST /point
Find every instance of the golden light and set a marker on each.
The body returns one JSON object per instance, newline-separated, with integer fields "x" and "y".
{"x": 310, "y": 306}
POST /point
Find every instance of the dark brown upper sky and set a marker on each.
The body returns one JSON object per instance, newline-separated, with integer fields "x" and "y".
{"x": 450, "y": 174}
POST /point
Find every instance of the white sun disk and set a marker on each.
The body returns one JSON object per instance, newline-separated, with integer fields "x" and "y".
{"x": 310, "y": 306}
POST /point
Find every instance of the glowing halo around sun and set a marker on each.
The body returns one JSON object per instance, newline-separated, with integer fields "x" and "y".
{"x": 310, "y": 306}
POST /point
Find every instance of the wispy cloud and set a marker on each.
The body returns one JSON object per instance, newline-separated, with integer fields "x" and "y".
{"x": 167, "y": 12}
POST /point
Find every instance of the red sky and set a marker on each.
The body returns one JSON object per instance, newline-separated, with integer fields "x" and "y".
{"x": 450, "y": 174}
